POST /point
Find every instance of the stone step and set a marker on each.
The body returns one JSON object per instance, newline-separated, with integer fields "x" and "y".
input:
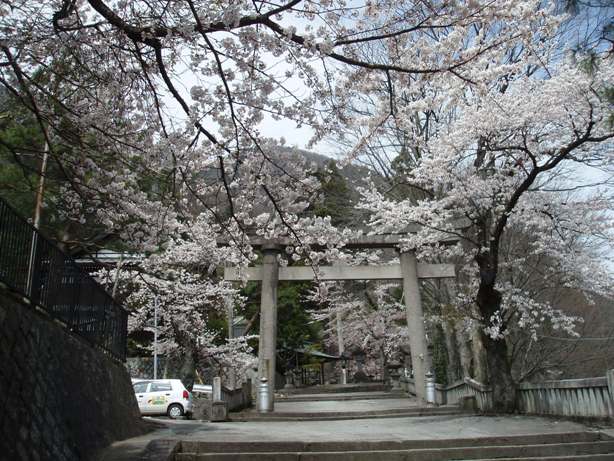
{"x": 381, "y": 445}
{"x": 601, "y": 457}
{"x": 371, "y": 445}
{"x": 333, "y": 396}
{"x": 333, "y": 388}
{"x": 521, "y": 452}
{"x": 338, "y": 415}
{"x": 348, "y": 417}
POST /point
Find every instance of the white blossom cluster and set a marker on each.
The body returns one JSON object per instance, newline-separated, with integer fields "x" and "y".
{"x": 374, "y": 325}
{"x": 496, "y": 153}
{"x": 153, "y": 113}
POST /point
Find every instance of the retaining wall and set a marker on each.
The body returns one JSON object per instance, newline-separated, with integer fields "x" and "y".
{"x": 61, "y": 398}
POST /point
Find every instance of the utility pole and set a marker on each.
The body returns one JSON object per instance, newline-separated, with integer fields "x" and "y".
{"x": 341, "y": 346}
{"x": 41, "y": 188}
{"x": 117, "y": 272}
{"x": 231, "y": 314}
{"x": 155, "y": 344}
{"x": 37, "y": 218}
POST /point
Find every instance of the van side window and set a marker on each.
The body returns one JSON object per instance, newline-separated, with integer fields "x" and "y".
{"x": 157, "y": 387}
{"x": 140, "y": 387}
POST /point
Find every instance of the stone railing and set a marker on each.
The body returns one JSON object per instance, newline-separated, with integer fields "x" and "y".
{"x": 224, "y": 400}
{"x": 407, "y": 384}
{"x": 588, "y": 398}
{"x": 454, "y": 393}
{"x": 591, "y": 397}
{"x": 238, "y": 399}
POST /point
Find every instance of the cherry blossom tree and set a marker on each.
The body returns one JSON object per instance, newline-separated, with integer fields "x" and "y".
{"x": 153, "y": 112}
{"x": 175, "y": 95}
{"x": 372, "y": 321}
{"x": 515, "y": 140}
{"x": 179, "y": 282}
{"x": 546, "y": 330}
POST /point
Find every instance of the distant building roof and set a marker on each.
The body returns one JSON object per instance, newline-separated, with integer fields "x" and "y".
{"x": 318, "y": 354}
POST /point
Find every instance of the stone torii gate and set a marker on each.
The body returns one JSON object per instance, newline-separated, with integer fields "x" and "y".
{"x": 409, "y": 271}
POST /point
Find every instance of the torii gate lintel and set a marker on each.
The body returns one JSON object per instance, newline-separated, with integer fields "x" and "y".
{"x": 341, "y": 272}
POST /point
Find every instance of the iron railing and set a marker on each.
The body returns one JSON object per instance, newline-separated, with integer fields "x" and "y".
{"x": 38, "y": 270}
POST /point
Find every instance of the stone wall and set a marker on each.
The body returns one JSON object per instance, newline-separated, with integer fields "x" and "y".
{"x": 60, "y": 398}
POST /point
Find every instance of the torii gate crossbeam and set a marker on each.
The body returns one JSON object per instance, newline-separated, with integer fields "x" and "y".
{"x": 341, "y": 272}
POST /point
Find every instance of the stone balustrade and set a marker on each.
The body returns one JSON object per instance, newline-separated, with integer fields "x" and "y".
{"x": 591, "y": 397}
{"x": 407, "y": 384}
{"x": 455, "y": 392}
{"x": 238, "y": 399}
{"x": 588, "y": 398}
{"x": 224, "y": 400}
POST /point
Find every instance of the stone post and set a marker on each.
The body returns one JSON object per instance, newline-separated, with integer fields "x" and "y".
{"x": 415, "y": 321}
{"x": 289, "y": 380}
{"x": 430, "y": 388}
{"x": 217, "y": 389}
{"x": 219, "y": 408}
{"x": 267, "y": 343}
{"x": 610, "y": 380}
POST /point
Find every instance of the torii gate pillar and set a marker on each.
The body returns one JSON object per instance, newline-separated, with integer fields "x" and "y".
{"x": 415, "y": 321}
{"x": 267, "y": 342}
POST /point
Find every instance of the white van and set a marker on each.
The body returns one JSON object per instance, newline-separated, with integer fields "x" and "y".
{"x": 163, "y": 396}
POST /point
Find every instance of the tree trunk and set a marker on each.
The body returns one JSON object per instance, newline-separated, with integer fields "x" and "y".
{"x": 439, "y": 357}
{"x": 463, "y": 350}
{"x": 188, "y": 367}
{"x": 478, "y": 352}
{"x": 501, "y": 382}
{"x": 166, "y": 364}
{"x": 499, "y": 367}
{"x": 386, "y": 376}
{"x": 453, "y": 368}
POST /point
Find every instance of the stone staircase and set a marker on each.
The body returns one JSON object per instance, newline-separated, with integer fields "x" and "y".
{"x": 339, "y": 395}
{"x": 317, "y": 430}
{"x": 336, "y": 389}
{"x": 339, "y": 402}
{"x": 343, "y": 415}
{"x": 580, "y": 446}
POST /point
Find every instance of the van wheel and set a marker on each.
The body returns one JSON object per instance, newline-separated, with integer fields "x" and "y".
{"x": 174, "y": 411}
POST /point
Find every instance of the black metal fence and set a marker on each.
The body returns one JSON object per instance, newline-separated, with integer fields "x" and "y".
{"x": 37, "y": 269}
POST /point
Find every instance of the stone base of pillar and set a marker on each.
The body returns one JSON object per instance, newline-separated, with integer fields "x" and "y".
{"x": 219, "y": 412}
{"x": 289, "y": 378}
